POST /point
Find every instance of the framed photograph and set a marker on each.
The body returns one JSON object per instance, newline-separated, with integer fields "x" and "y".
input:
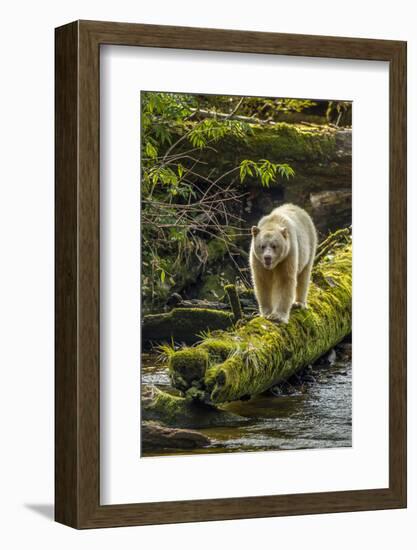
{"x": 230, "y": 274}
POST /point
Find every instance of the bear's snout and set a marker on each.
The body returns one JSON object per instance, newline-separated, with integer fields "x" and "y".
{"x": 267, "y": 260}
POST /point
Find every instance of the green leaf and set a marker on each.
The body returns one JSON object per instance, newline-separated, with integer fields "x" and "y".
{"x": 151, "y": 151}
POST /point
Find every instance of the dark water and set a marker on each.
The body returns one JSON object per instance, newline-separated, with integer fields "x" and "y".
{"x": 315, "y": 412}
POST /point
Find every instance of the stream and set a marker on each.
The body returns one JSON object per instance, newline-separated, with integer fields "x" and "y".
{"x": 315, "y": 411}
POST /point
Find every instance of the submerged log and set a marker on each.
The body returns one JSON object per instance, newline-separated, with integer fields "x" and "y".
{"x": 183, "y": 325}
{"x": 175, "y": 300}
{"x": 155, "y": 436}
{"x": 180, "y": 412}
{"x": 256, "y": 355}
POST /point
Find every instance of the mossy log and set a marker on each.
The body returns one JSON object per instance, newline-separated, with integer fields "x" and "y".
{"x": 295, "y": 142}
{"x": 179, "y": 412}
{"x": 255, "y": 355}
{"x": 183, "y": 325}
{"x": 280, "y": 142}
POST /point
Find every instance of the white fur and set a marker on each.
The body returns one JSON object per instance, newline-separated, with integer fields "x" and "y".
{"x": 281, "y": 257}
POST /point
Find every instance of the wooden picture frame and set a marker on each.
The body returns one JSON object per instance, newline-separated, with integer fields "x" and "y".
{"x": 77, "y": 382}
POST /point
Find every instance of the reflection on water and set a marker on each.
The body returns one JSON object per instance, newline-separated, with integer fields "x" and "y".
{"x": 154, "y": 373}
{"x": 317, "y": 414}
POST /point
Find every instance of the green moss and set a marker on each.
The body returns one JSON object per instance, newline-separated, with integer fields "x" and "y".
{"x": 295, "y": 144}
{"x": 187, "y": 366}
{"x": 217, "y": 349}
{"x": 179, "y": 412}
{"x": 286, "y": 142}
{"x": 168, "y": 407}
{"x": 260, "y": 353}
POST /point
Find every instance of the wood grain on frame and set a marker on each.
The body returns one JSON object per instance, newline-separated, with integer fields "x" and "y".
{"x": 77, "y": 361}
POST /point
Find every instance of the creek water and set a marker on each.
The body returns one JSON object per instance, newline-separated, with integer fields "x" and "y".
{"x": 315, "y": 412}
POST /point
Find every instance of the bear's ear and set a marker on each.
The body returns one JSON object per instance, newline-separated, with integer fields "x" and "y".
{"x": 284, "y": 232}
{"x": 255, "y": 230}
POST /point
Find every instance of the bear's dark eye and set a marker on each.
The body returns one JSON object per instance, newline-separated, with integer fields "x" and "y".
{"x": 273, "y": 246}
{"x": 263, "y": 247}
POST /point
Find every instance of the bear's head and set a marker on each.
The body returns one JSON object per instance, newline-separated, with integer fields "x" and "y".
{"x": 271, "y": 246}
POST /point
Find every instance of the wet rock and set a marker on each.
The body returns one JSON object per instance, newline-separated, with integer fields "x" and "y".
{"x": 156, "y": 436}
{"x": 174, "y": 300}
{"x": 276, "y": 391}
{"x": 344, "y": 350}
{"x": 345, "y": 346}
{"x": 327, "y": 359}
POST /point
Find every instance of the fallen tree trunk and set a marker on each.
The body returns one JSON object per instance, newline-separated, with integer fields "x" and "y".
{"x": 248, "y": 360}
{"x": 183, "y": 325}
{"x": 180, "y": 412}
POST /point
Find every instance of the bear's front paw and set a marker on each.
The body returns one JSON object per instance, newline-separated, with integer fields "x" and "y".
{"x": 278, "y": 318}
{"x": 300, "y": 305}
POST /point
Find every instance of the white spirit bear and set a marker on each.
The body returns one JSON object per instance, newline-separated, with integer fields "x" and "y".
{"x": 281, "y": 257}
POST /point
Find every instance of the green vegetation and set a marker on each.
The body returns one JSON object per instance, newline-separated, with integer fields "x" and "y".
{"x": 211, "y": 167}
{"x": 201, "y": 156}
{"x": 187, "y": 207}
{"x": 188, "y": 366}
{"x": 295, "y": 142}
